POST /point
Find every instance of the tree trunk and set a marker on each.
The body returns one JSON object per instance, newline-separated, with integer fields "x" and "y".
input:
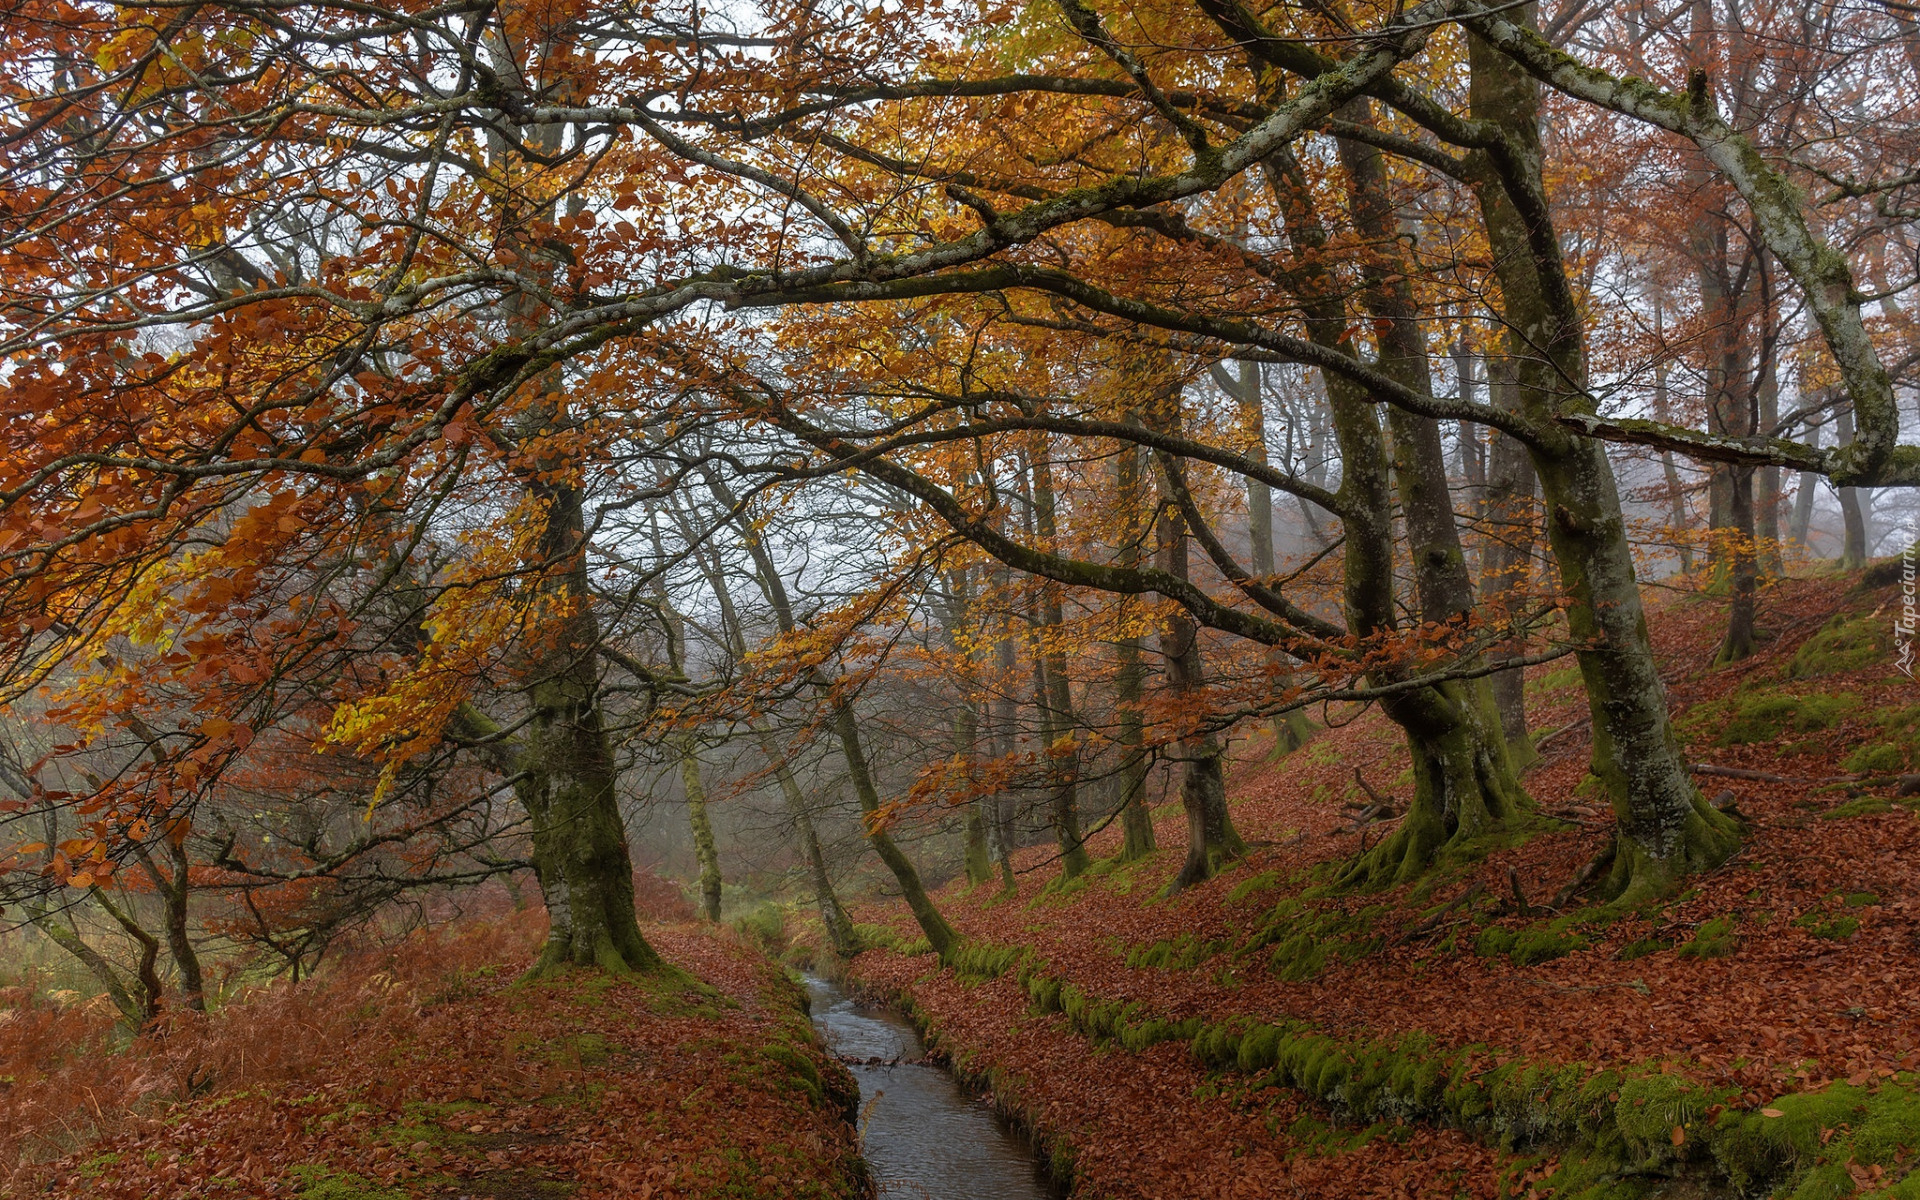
{"x": 833, "y": 915}
{"x": 1055, "y": 698}
{"x": 132, "y": 1009}
{"x": 940, "y": 935}
{"x": 704, "y": 851}
{"x": 1745, "y": 566}
{"x": 1291, "y": 729}
{"x": 580, "y": 839}
{"x": 1853, "y": 517}
{"x": 1212, "y": 841}
{"x": 1766, "y": 485}
{"x": 1665, "y": 828}
{"x": 1130, "y": 673}
{"x": 1507, "y": 566}
{"x": 978, "y": 855}
{"x": 1676, "y": 490}
{"x": 1464, "y": 781}
{"x": 1803, "y": 497}
{"x": 1136, "y": 822}
{"x": 1006, "y": 720}
{"x": 173, "y": 888}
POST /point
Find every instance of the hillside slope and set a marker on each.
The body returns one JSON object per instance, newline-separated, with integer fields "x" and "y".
{"x": 444, "y": 1077}
{"x": 1468, "y": 1035}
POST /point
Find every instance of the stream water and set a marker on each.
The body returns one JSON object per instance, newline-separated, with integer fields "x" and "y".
{"x": 923, "y": 1136}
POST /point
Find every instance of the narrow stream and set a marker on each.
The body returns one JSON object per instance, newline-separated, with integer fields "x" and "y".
{"x": 924, "y": 1137}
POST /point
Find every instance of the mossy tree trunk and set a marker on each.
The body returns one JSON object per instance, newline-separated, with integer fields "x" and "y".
{"x": 580, "y": 839}
{"x": 1292, "y": 728}
{"x": 1464, "y": 781}
{"x": 940, "y": 935}
{"x": 955, "y": 609}
{"x": 833, "y": 915}
{"x": 1006, "y": 722}
{"x": 1507, "y": 567}
{"x": 1853, "y": 514}
{"x": 1766, "y": 482}
{"x": 704, "y": 851}
{"x": 1055, "y": 691}
{"x": 1212, "y": 841}
{"x": 1743, "y": 564}
{"x": 1665, "y": 828}
{"x": 1130, "y": 670}
{"x": 847, "y": 729}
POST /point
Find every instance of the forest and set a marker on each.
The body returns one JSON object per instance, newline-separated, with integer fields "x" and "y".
{"x": 959, "y": 598}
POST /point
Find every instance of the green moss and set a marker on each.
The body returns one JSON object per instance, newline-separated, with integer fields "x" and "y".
{"x": 1532, "y": 944}
{"x": 798, "y": 1070}
{"x": 316, "y": 1182}
{"x": 978, "y": 961}
{"x": 764, "y": 926}
{"x": 1865, "y": 806}
{"x": 1555, "y": 681}
{"x": 1844, "y": 644}
{"x": 1180, "y": 953}
{"x": 1764, "y": 718}
{"x": 1642, "y": 948}
{"x": 1832, "y": 928}
{"x": 885, "y": 937}
{"x": 1651, "y": 1108}
{"x": 96, "y": 1166}
{"x": 1894, "y": 746}
{"x": 1264, "y": 881}
{"x": 1306, "y": 938}
{"x": 1879, "y": 758}
{"x": 1712, "y": 939}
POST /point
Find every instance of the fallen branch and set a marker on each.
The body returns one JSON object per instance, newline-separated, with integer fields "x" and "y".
{"x": 1583, "y": 877}
{"x": 1384, "y": 803}
{"x": 1519, "y": 897}
{"x": 1906, "y": 785}
{"x": 1541, "y": 741}
{"x": 1466, "y": 897}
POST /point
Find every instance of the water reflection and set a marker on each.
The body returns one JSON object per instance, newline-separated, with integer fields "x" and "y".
{"x": 924, "y": 1137}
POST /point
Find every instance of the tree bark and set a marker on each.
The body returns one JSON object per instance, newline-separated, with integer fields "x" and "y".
{"x": 1136, "y": 822}
{"x": 1507, "y": 565}
{"x": 940, "y": 935}
{"x": 580, "y": 839}
{"x": 1853, "y": 516}
{"x": 1664, "y": 827}
{"x": 1055, "y": 695}
{"x": 704, "y": 851}
{"x": 173, "y": 888}
{"x": 1212, "y": 841}
{"x": 1465, "y": 784}
{"x": 1291, "y": 729}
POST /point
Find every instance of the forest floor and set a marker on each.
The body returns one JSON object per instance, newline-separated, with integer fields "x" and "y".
{"x": 1267, "y": 1035}
{"x": 440, "y": 1076}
